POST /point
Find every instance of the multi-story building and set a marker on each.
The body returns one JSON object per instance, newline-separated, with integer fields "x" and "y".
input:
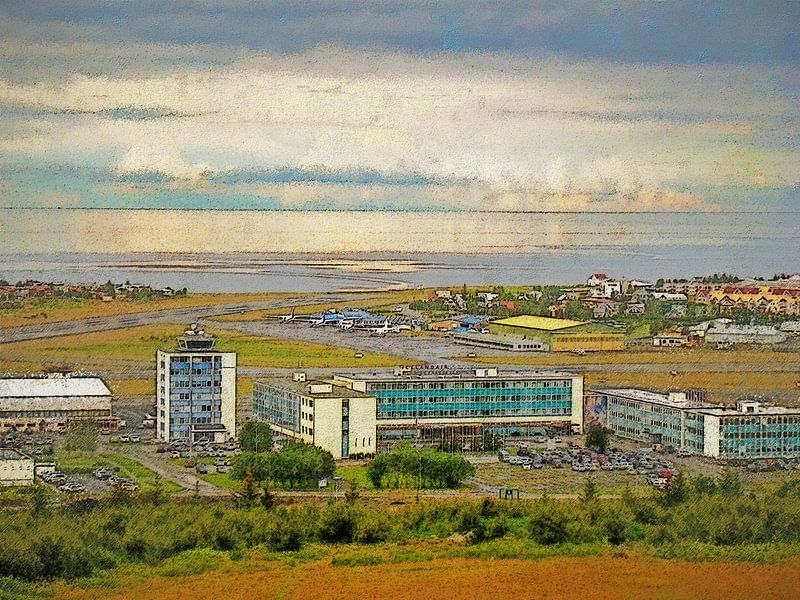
{"x": 195, "y": 390}
{"x": 453, "y": 408}
{"x": 333, "y": 417}
{"x": 750, "y": 430}
{"x": 457, "y": 408}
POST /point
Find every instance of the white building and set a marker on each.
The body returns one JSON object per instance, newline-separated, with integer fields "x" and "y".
{"x": 49, "y": 403}
{"x": 15, "y": 468}
{"x": 744, "y": 334}
{"x": 333, "y": 417}
{"x": 195, "y": 390}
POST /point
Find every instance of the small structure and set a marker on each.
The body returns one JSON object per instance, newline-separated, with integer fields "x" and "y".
{"x": 729, "y": 334}
{"x": 671, "y": 339}
{"x": 16, "y": 468}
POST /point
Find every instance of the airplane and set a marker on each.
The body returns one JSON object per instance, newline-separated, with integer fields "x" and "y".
{"x": 287, "y": 318}
{"x": 345, "y": 324}
{"x": 380, "y": 331}
{"x": 317, "y": 321}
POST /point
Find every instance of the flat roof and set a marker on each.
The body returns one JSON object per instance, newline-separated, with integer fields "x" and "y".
{"x": 301, "y": 387}
{"x": 30, "y": 387}
{"x": 697, "y": 406}
{"x": 457, "y": 374}
{"x": 652, "y": 397}
{"x": 542, "y": 323}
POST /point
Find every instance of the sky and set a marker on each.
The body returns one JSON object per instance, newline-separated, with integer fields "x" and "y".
{"x": 323, "y": 104}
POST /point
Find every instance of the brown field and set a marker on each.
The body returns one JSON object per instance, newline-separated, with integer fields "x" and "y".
{"x": 598, "y": 578}
{"x": 51, "y": 310}
{"x": 723, "y": 387}
{"x": 706, "y": 357}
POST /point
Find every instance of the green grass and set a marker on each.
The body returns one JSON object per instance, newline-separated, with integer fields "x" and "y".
{"x": 85, "y": 462}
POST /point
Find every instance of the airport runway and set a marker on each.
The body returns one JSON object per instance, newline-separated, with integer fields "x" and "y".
{"x": 178, "y": 315}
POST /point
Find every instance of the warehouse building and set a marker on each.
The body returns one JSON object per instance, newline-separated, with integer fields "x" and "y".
{"x": 560, "y": 335}
{"x": 333, "y": 417}
{"x": 16, "y": 468}
{"x": 751, "y": 430}
{"x": 361, "y": 413}
{"x": 726, "y": 334}
{"x": 195, "y": 390}
{"x": 49, "y": 403}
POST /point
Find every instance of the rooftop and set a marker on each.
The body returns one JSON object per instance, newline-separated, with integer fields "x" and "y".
{"x": 541, "y": 323}
{"x": 456, "y": 373}
{"x": 302, "y": 387}
{"x": 30, "y": 387}
{"x": 670, "y": 400}
{"x": 12, "y": 454}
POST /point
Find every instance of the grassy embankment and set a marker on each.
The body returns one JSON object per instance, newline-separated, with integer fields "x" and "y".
{"x": 48, "y": 310}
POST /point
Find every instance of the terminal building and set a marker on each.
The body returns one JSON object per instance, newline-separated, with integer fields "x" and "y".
{"x": 451, "y": 408}
{"x": 195, "y": 390}
{"x": 751, "y": 430}
{"x": 49, "y": 403}
{"x": 560, "y": 335}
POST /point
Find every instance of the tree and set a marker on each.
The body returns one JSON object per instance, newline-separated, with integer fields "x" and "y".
{"x": 598, "y": 437}
{"x": 249, "y": 491}
{"x": 589, "y": 493}
{"x": 676, "y": 491}
{"x": 256, "y": 436}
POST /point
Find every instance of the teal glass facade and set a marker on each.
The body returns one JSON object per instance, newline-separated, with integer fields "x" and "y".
{"x": 277, "y": 405}
{"x": 760, "y": 436}
{"x": 433, "y": 399}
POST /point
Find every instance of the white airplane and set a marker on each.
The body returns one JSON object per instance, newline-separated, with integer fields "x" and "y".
{"x": 317, "y": 322}
{"x": 384, "y": 330}
{"x": 287, "y": 318}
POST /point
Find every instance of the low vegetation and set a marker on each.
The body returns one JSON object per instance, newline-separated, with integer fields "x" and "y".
{"x": 698, "y": 518}
{"x": 405, "y": 466}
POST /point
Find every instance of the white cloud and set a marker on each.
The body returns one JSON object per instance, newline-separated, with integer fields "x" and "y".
{"x": 526, "y": 133}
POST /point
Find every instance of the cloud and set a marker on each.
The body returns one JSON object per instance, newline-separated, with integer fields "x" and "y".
{"x": 467, "y": 130}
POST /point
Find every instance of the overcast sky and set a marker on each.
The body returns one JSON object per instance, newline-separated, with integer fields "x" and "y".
{"x": 559, "y": 105}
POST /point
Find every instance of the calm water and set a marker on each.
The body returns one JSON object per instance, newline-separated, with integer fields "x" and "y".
{"x": 263, "y": 251}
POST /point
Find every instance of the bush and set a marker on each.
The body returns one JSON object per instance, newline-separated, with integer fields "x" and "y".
{"x": 337, "y": 523}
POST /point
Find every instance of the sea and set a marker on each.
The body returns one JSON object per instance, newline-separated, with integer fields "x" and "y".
{"x": 262, "y": 251}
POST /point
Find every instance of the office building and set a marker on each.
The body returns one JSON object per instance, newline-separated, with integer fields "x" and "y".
{"x": 451, "y": 408}
{"x": 195, "y": 390}
{"x": 750, "y": 430}
{"x": 333, "y": 417}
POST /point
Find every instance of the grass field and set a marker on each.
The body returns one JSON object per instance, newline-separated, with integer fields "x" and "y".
{"x": 48, "y": 310}
{"x": 418, "y": 572}
{"x": 137, "y": 345}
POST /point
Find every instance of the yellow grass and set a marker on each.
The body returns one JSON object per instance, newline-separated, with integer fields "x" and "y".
{"x": 50, "y": 310}
{"x": 684, "y": 356}
{"x": 721, "y": 387}
{"x": 136, "y": 347}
